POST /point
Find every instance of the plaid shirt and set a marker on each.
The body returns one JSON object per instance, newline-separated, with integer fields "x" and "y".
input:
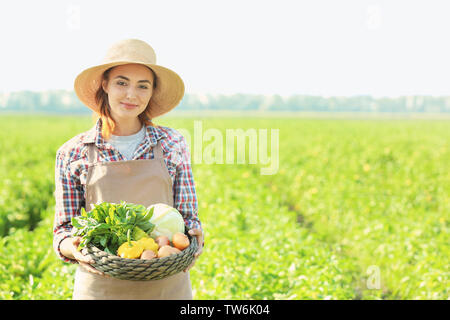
{"x": 72, "y": 166}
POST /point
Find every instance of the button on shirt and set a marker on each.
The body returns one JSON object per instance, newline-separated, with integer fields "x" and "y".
{"x": 71, "y": 168}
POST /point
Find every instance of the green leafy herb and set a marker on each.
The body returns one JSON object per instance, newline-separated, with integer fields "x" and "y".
{"x": 108, "y": 225}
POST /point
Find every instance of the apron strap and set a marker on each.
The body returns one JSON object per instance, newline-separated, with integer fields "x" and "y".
{"x": 92, "y": 153}
{"x": 157, "y": 151}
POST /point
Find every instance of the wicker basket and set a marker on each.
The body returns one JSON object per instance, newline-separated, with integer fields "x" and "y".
{"x": 141, "y": 269}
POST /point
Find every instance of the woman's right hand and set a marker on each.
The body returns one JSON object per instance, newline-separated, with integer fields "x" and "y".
{"x": 84, "y": 260}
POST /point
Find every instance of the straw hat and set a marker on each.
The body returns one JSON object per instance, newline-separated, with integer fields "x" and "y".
{"x": 169, "y": 86}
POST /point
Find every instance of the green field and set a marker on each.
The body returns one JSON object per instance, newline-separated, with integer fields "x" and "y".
{"x": 358, "y": 209}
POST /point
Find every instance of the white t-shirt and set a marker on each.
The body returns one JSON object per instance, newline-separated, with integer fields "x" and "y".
{"x": 127, "y": 145}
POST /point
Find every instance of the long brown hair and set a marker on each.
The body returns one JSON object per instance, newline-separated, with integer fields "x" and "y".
{"x": 108, "y": 123}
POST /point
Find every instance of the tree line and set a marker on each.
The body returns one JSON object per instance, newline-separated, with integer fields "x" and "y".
{"x": 64, "y": 101}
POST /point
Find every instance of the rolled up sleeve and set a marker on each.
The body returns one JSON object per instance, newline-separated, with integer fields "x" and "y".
{"x": 185, "y": 197}
{"x": 69, "y": 199}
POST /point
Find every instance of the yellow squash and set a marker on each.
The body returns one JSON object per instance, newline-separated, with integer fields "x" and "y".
{"x": 149, "y": 244}
{"x": 130, "y": 252}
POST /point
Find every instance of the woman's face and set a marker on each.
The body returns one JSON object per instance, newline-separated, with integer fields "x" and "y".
{"x": 129, "y": 90}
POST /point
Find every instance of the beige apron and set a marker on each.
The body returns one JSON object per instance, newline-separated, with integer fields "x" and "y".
{"x": 145, "y": 182}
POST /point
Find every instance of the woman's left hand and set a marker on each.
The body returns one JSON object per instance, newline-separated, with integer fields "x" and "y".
{"x": 199, "y": 235}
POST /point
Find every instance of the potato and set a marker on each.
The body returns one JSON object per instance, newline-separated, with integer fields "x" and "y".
{"x": 180, "y": 241}
{"x": 176, "y": 250}
{"x": 148, "y": 254}
{"x": 162, "y": 241}
{"x": 166, "y": 251}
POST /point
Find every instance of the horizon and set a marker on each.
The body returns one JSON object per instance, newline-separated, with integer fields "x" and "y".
{"x": 216, "y": 94}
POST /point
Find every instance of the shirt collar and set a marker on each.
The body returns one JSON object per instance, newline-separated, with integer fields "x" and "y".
{"x": 152, "y": 135}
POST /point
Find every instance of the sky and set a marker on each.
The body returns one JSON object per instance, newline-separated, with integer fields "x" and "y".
{"x": 321, "y": 47}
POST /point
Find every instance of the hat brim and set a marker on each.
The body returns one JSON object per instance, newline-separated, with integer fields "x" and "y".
{"x": 167, "y": 95}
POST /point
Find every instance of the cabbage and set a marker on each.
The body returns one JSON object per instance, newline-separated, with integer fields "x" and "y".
{"x": 167, "y": 221}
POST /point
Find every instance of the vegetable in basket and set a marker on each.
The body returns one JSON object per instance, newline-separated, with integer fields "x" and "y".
{"x": 149, "y": 244}
{"x": 131, "y": 250}
{"x": 167, "y": 221}
{"x": 109, "y": 225}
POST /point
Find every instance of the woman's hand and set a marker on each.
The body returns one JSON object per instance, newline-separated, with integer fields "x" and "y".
{"x": 84, "y": 260}
{"x": 199, "y": 235}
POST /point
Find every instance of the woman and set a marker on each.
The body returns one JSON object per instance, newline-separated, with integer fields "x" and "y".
{"x": 125, "y": 157}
